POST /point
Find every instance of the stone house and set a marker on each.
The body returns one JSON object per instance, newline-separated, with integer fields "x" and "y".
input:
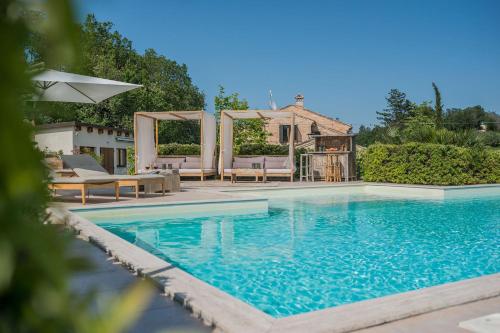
{"x": 307, "y": 124}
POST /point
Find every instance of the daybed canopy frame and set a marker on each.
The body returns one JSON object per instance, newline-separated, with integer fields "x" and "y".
{"x": 226, "y": 134}
{"x": 146, "y": 143}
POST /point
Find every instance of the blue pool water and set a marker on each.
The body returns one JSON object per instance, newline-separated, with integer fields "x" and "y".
{"x": 310, "y": 254}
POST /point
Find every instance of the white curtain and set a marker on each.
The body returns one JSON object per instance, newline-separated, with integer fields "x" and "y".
{"x": 209, "y": 133}
{"x": 291, "y": 152}
{"x": 227, "y": 147}
{"x": 145, "y": 140}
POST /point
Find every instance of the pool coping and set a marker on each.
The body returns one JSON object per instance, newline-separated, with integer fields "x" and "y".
{"x": 229, "y": 314}
{"x": 109, "y": 206}
{"x": 350, "y": 184}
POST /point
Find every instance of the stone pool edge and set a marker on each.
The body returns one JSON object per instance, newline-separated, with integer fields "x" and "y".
{"x": 229, "y": 314}
{"x": 215, "y": 307}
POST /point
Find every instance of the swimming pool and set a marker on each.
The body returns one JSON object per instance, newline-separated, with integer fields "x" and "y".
{"x": 320, "y": 250}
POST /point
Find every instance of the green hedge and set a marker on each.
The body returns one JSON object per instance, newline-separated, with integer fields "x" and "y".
{"x": 179, "y": 149}
{"x": 421, "y": 163}
{"x": 261, "y": 149}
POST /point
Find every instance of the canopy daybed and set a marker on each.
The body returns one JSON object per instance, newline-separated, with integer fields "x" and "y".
{"x": 146, "y": 144}
{"x": 274, "y": 166}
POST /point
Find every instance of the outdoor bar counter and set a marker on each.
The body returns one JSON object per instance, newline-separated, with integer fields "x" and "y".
{"x": 313, "y": 165}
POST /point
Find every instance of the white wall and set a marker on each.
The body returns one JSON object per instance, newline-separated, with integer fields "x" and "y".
{"x": 56, "y": 139}
{"x": 104, "y": 140}
{"x": 68, "y": 140}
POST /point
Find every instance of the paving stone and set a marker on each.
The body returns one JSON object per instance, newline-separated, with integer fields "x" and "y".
{"x": 108, "y": 279}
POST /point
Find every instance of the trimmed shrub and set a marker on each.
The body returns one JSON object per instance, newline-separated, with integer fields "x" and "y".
{"x": 490, "y": 138}
{"x": 430, "y": 164}
{"x": 179, "y": 149}
{"x": 261, "y": 149}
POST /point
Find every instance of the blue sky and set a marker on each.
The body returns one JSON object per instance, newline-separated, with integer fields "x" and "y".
{"x": 343, "y": 56}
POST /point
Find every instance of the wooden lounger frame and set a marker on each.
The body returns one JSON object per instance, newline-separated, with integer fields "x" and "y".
{"x": 135, "y": 183}
{"x": 84, "y": 187}
{"x": 202, "y": 174}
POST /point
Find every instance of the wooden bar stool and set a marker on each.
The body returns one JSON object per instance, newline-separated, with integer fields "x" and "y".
{"x": 333, "y": 169}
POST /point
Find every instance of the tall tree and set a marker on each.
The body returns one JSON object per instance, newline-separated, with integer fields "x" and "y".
{"x": 35, "y": 261}
{"x": 399, "y": 108}
{"x": 245, "y": 131}
{"x": 438, "y": 105}
{"x": 106, "y": 53}
{"x": 470, "y": 118}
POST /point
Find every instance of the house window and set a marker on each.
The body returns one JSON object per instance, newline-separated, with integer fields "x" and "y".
{"x": 127, "y": 134}
{"x": 110, "y": 132}
{"x": 87, "y": 150}
{"x": 285, "y": 133}
{"x": 118, "y": 133}
{"x": 315, "y": 129}
{"x": 78, "y": 128}
{"x": 122, "y": 157}
{"x": 100, "y": 131}
{"x": 89, "y": 129}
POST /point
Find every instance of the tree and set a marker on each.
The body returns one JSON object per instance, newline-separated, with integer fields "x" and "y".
{"x": 438, "y": 106}
{"x": 34, "y": 259}
{"x": 106, "y": 53}
{"x": 470, "y": 118}
{"x": 248, "y": 131}
{"x": 420, "y": 126}
{"x": 398, "y": 109}
{"x": 229, "y": 102}
{"x": 368, "y": 136}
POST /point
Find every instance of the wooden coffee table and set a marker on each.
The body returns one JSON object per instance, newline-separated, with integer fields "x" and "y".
{"x": 235, "y": 173}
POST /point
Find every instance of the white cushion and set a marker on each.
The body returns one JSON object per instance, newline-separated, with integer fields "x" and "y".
{"x": 170, "y": 160}
{"x": 196, "y": 159}
{"x": 268, "y": 171}
{"x": 190, "y": 165}
{"x": 253, "y": 159}
{"x": 185, "y": 171}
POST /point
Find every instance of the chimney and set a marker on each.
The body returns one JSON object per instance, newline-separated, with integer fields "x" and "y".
{"x": 299, "y": 100}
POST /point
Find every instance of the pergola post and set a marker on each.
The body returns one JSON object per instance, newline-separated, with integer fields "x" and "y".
{"x": 135, "y": 143}
{"x": 221, "y": 144}
{"x": 202, "y": 143}
{"x": 292, "y": 146}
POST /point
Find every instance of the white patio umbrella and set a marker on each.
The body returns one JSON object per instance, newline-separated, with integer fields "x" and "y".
{"x": 55, "y": 86}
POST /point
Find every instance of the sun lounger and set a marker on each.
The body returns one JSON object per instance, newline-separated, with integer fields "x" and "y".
{"x": 87, "y": 167}
{"x": 84, "y": 184}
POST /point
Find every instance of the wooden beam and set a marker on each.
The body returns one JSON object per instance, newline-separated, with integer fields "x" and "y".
{"x": 179, "y": 116}
{"x": 261, "y": 116}
{"x": 228, "y": 115}
{"x": 143, "y": 114}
